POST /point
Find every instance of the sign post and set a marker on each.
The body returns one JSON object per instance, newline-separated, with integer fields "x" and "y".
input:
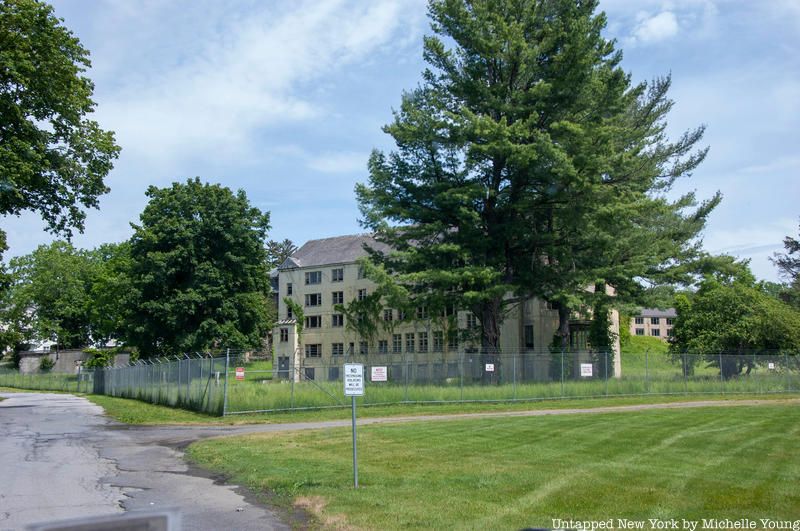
{"x": 353, "y": 387}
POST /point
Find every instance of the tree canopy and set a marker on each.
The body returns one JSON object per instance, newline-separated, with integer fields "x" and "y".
{"x": 527, "y": 163}
{"x": 50, "y": 295}
{"x": 199, "y": 271}
{"x": 733, "y": 315}
{"x": 53, "y": 159}
{"x": 789, "y": 268}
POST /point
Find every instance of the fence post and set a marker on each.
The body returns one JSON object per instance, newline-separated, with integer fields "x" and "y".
{"x": 188, "y": 380}
{"x": 514, "y": 382}
{"x": 292, "y": 372}
{"x": 721, "y": 377}
{"x": 788, "y": 375}
{"x": 405, "y": 374}
{"x": 646, "y": 369}
{"x": 461, "y": 376}
{"x": 685, "y": 376}
{"x": 225, "y": 385}
{"x": 606, "y": 367}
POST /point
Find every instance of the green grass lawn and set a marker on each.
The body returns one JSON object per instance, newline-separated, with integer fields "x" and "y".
{"x": 511, "y": 473}
{"x": 136, "y": 412}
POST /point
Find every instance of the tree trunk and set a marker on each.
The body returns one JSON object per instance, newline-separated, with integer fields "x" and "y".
{"x": 563, "y": 325}
{"x": 490, "y": 339}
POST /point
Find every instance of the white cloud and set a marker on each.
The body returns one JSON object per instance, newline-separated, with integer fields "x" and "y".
{"x": 656, "y": 28}
{"x": 348, "y": 162}
{"x": 239, "y": 75}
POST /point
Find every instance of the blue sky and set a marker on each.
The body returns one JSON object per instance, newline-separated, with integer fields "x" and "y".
{"x": 286, "y": 100}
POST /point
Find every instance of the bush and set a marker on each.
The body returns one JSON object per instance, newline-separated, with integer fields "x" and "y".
{"x": 46, "y": 364}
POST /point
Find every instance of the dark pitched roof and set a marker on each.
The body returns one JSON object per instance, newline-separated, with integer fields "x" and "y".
{"x": 652, "y": 312}
{"x": 337, "y": 250}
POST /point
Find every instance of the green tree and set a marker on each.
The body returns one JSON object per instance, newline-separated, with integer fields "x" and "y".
{"x": 789, "y": 268}
{"x": 198, "y": 271}
{"x": 736, "y": 317}
{"x": 53, "y": 159}
{"x": 277, "y": 251}
{"x": 50, "y": 296}
{"x": 527, "y": 164}
{"x": 110, "y": 291}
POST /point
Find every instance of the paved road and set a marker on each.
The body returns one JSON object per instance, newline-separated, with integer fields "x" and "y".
{"x": 61, "y": 458}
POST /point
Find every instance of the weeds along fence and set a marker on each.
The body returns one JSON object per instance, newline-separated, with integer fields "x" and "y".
{"x": 236, "y": 383}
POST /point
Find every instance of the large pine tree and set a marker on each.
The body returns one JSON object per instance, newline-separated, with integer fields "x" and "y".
{"x": 527, "y": 163}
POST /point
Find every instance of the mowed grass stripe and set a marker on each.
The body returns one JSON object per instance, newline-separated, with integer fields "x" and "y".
{"x": 507, "y": 473}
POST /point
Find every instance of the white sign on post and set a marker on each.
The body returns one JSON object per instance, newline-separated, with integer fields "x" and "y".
{"x": 490, "y": 367}
{"x": 771, "y": 365}
{"x": 379, "y": 374}
{"x": 353, "y": 379}
{"x": 586, "y": 370}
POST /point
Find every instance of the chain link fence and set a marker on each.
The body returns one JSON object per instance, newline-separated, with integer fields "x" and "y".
{"x": 239, "y": 382}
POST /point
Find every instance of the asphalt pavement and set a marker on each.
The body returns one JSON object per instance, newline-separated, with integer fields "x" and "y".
{"x": 62, "y": 458}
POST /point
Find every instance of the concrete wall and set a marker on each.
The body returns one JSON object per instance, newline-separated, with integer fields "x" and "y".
{"x": 66, "y": 361}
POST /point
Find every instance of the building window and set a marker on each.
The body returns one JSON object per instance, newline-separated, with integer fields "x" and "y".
{"x": 309, "y": 373}
{"x": 314, "y": 299}
{"x": 438, "y": 341}
{"x": 423, "y": 341}
{"x": 314, "y": 277}
{"x": 397, "y": 343}
{"x": 314, "y": 321}
{"x": 351, "y": 348}
{"x": 337, "y": 320}
{"x": 670, "y": 321}
{"x": 363, "y": 348}
{"x": 640, "y": 331}
{"x": 655, "y": 320}
{"x": 422, "y": 312}
{"x": 410, "y": 342}
{"x": 472, "y": 321}
{"x": 383, "y": 346}
{"x": 361, "y": 272}
{"x": 670, "y": 333}
{"x": 362, "y": 294}
{"x": 337, "y": 349}
{"x": 655, "y": 332}
{"x": 401, "y": 315}
{"x": 388, "y": 315}
{"x": 338, "y": 297}
{"x": 314, "y": 351}
{"x": 288, "y": 288}
{"x": 639, "y": 320}
{"x": 528, "y": 336}
{"x": 337, "y": 275}
{"x": 452, "y": 340}
{"x": 289, "y": 314}
{"x": 284, "y": 335}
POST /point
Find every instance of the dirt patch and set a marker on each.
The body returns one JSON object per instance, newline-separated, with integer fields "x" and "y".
{"x": 316, "y": 505}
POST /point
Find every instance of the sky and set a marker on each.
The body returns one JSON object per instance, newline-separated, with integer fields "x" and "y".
{"x": 286, "y": 100}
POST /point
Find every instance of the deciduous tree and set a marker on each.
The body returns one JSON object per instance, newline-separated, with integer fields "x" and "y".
{"x": 199, "y": 271}
{"x": 53, "y": 158}
{"x": 735, "y": 317}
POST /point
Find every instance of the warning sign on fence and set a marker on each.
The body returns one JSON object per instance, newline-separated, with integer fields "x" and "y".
{"x": 586, "y": 370}
{"x": 240, "y": 373}
{"x": 379, "y": 374}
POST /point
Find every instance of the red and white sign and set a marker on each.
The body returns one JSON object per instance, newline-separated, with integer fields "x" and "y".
{"x": 240, "y": 373}
{"x": 379, "y": 374}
